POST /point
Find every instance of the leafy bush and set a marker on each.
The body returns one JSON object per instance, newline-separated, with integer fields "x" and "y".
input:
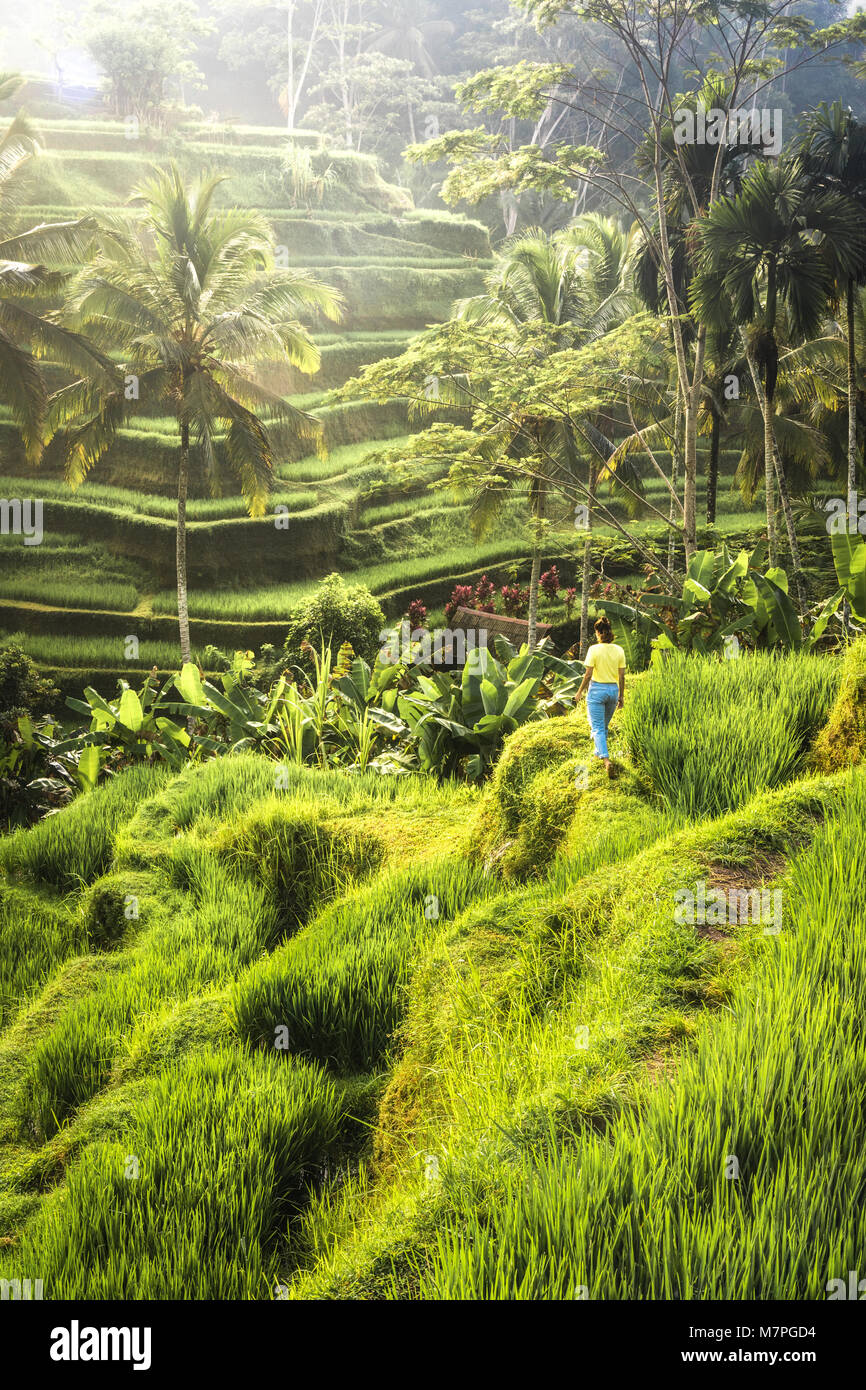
{"x": 549, "y": 584}
{"x": 22, "y": 689}
{"x": 336, "y": 613}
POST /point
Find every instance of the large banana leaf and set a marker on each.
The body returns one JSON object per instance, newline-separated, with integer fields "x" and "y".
{"x": 849, "y": 557}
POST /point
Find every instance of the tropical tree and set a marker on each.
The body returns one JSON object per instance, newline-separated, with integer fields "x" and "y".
{"x": 833, "y": 152}
{"x": 573, "y": 283}
{"x": 32, "y": 275}
{"x": 183, "y": 301}
{"x": 761, "y": 251}
{"x": 406, "y": 37}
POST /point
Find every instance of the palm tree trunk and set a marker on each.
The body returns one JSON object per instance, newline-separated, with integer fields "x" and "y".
{"x": 587, "y": 562}
{"x": 690, "y": 486}
{"x": 769, "y": 478}
{"x": 182, "y": 488}
{"x": 852, "y": 402}
{"x": 713, "y": 470}
{"x": 774, "y": 472}
{"x": 790, "y": 528}
{"x": 535, "y": 575}
{"x": 675, "y": 477}
{"x": 532, "y": 624}
{"x": 769, "y": 448}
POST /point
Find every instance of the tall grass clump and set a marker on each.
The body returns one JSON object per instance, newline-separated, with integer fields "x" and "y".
{"x": 194, "y": 1202}
{"x": 655, "y": 1208}
{"x": 196, "y": 933}
{"x": 73, "y": 847}
{"x": 710, "y": 734}
{"x": 335, "y": 992}
{"x": 36, "y": 937}
{"x": 299, "y": 860}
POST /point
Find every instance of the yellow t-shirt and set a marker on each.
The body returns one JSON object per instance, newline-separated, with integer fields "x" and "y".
{"x": 606, "y": 660}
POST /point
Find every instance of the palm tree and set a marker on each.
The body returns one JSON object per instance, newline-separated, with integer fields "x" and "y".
{"x": 183, "y": 302}
{"x": 833, "y": 152}
{"x": 405, "y": 37}
{"x": 574, "y": 283}
{"x": 761, "y": 252}
{"x": 31, "y": 276}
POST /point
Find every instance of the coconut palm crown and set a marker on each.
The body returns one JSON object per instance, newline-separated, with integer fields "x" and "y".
{"x": 188, "y": 299}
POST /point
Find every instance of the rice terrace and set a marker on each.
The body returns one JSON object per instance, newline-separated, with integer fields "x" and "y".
{"x": 432, "y": 656}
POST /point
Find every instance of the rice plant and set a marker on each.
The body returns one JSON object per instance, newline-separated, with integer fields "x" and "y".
{"x": 97, "y": 653}
{"x": 36, "y": 936}
{"x": 193, "y": 1204}
{"x": 735, "y": 1179}
{"x": 710, "y": 734}
{"x": 76, "y": 846}
{"x": 335, "y": 992}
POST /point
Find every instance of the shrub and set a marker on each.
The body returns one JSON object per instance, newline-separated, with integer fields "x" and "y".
{"x": 335, "y": 613}
{"x": 549, "y": 583}
{"x": 22, "y": 689}
{"x": 842, "y": 741}
{"x": 515, "y": 601}
{"x": 417, "y": 613}
{"x": 484, "y": 594}
{"x": 461, "y": 597}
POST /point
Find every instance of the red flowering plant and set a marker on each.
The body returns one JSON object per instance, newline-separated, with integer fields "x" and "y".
{"x": 515, "y": 601}
{"x": 461, "y": 597}
{"x": 484, "y": 595}
{"x": 417, "y": 613}
{"x": 549, "y": 583}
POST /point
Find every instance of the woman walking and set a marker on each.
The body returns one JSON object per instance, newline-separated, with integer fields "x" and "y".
{"x": 605, "y": 680}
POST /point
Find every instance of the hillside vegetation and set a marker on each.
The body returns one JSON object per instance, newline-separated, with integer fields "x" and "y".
{"x": 415, "y": 1039}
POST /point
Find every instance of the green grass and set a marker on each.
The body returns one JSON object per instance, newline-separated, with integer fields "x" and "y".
{"x": 143, "y": 503}
{"x": 36, "y": 936}
{"x": 650, "y": 1210}
{"x": 709, "y": 734}
{"x": 71, "y": 849}
{"x": 72, "y": 588}
{"x": 194, "y": 1203}
{"x": 96, "y": 653}
{"x": 272, "y": 602}
{"x": 338, "y": 988}
{"x": 335, "y": 972}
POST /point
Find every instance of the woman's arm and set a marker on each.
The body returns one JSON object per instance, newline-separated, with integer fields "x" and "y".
{"x": 621, "y": 700}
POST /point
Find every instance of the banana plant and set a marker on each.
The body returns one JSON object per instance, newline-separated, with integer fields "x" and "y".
{"x": 461, "y": 724}
{"x": 136, "y": 727}
{"x": 849, "y": 559}
{"x": 34, "y": 780}
{"x": 722, "y": 598}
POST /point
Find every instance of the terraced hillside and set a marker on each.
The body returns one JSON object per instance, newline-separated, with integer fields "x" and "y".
{"x": 378, "y": 1037}
{"x": 105, "y": 570}
{"x": 109, "y": 547}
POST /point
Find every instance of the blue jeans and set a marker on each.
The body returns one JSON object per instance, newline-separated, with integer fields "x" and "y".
{"x": 601, "y": 701}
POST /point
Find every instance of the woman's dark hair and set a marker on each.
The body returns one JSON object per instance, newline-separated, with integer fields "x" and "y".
{"x": 603, "y": 630}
